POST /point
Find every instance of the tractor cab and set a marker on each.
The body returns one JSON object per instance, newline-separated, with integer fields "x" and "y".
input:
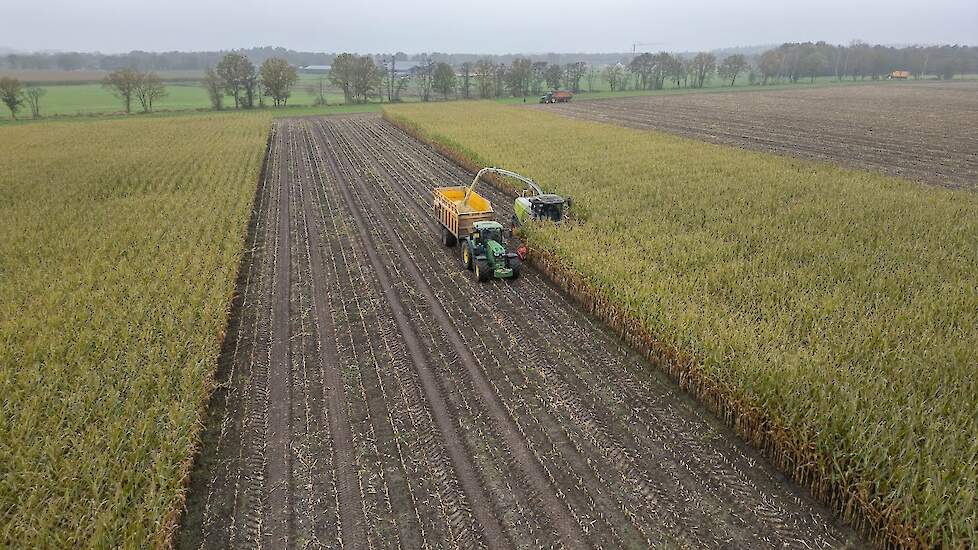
{"x": 484, "y": 251}
{"x": 486, "y": 232}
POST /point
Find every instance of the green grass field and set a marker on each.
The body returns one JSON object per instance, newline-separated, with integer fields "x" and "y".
{"x": 839, "y": 304}
{"x": 120, "y": 246}
{"x": 82, "y": 99}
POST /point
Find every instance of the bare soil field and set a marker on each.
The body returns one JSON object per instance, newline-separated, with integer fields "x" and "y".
{"x": 923, "y": 131}
{"x": 372, "y": 394}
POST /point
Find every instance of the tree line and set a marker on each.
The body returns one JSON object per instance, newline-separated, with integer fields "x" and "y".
{"x": 154, "y": 61}
{"x": 236, "y": 76}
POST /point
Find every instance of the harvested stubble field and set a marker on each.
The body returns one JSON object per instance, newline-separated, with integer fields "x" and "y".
{"x": 923, "y": 131}
{"x": 829, "y": 313}
{"x": 119, "y": 247}
{"x": 372, "y": 394}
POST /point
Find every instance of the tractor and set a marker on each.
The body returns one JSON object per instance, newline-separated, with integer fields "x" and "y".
{"x": 484, "y": 251}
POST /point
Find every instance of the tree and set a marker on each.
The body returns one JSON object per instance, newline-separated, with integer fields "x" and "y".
{"x": 518, "y": 77}
{"x": 591, "y": 76}
{"x": 123, "y": 83}
{"x": 553, "y": 75}
{"x": 33, "y": 95}
{"x": 812, "y": 63}
{"x": 240, "y": 79}
{"x": 613, "y": 74}
{"x": 769, "y": 64}
{"x": 318, "y": 91}
{"x": 642, "y": 67}
{"x": 424, "y": 76}
{"x": 444, "y": 79}
{"x": 538, "y": 76}
{"x": 732, "y": 66}
{"x": 149, "y": 88}
{"x": 573, "y": 73}
{"x": 466, "y": 78}
{"x": 12, "y": 94}
{"x": 485, "y": 71}
{"x": 703, "y": 66}
{"x": 215, "y": 87}
{"x": 358, "y": 77}
{"x": 677, "y": 70}
{"x": 661, "y": 63}
{"x": 278, "y": 78}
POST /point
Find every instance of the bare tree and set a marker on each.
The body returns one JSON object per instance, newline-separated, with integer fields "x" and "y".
{"x": 553, "y": 75}
{"x": 33, "y": 95}
{"x": 573, "y": 73}
{"x": 123, "y": 83}
{"x": 278, "y": 78}
{"x": 149, "y": 88}
{"x": 591, "y": 76}
{"x": 318, "y": 91}
{"x": 613, "y": 74}
{"x": 215, "y": 87}
{"x": 485, "y": 71}
{"x": 424, "y": 74}
{"x": 703, "y": 67}
{"x": 466, "y": 79}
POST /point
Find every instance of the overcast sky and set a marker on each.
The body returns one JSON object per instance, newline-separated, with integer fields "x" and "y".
{"x": 493, "y": 26}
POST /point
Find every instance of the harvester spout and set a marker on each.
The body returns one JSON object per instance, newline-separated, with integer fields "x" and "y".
{"x": 530, "y": 183}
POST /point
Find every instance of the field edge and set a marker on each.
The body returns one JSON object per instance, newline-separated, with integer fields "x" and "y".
{"x": 173, "y": 517}
{"x": 847, "y": 499}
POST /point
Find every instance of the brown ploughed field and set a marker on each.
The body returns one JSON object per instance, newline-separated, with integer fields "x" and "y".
{"x": 372, "y": 394}
{"x": 921, "y": 131}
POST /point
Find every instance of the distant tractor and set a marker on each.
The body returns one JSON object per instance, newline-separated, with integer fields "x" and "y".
{"x": 898, "y": 75}
{"x": 467, "y": 218}
{"x": 556, "y": 96}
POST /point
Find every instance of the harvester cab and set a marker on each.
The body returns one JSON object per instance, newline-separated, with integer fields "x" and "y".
{"x": 534, "y": 204}
{"x": 484, "y": 251}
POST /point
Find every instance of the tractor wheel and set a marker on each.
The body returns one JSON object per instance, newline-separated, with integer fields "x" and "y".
{"x": 482, "y": 271}
{"x": 466, "y": 257}
{"x": 516, "y": 265}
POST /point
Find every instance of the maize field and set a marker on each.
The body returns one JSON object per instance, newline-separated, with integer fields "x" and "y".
{"x": 829, "y": 314}
{"x": 118, "y": 256}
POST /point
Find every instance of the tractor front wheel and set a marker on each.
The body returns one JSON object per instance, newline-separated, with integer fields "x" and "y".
{"x": 482, "y": 271}
{"x": 466, "y": 257}
{"x": 515, "y": 265}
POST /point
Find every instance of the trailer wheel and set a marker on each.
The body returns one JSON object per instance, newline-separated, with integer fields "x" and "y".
{"x": 466, "y": 256}
{"x": 482, "y": 271}
{"x": 447, "y": 238}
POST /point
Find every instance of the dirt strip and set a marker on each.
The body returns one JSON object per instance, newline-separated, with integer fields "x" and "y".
{"x": 405, "y": 405}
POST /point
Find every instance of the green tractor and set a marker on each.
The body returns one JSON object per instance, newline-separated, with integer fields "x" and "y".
{"x": 484, "y": 252}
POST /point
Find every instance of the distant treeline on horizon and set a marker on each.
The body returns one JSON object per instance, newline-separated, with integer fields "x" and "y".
{"x": 857, "y": 59}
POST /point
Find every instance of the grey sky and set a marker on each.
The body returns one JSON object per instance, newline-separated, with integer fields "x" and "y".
{"x": 495, "y": 26}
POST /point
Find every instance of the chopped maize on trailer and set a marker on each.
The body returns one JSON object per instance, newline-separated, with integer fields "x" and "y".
{"x": 458, "y": 214}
